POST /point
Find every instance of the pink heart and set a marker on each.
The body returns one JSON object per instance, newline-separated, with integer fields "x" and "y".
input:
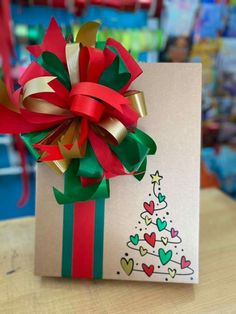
{"x": 184, "y": 262}
{"x": 149, "y": 207}
{"x": 173, "y": 233}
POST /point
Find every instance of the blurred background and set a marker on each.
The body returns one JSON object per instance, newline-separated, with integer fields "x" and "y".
{"x": 154, "y": 31}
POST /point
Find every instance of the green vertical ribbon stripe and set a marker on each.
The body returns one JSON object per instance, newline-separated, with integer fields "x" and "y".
{"x": 98, "y": 239}
{"x": 67, "y": 243}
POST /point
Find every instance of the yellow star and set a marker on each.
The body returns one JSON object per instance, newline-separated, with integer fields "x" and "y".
{"x": 156, "y": 178}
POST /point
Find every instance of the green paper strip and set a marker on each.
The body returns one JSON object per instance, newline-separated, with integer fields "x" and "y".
{"x": 100, "y": 44}
{"x": 99, "y": 239}
{"x": 116, "y": 75}
{"x": 67, "y": 241}
{"x": 141, "y": 170}
{"x": 32, "y": 138}
{"x": 53, "y": 65}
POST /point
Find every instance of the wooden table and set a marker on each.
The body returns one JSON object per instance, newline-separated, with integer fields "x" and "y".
{"x": 22, "y": 292}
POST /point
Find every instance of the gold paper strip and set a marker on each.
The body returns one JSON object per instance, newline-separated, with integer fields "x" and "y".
{"x": 87, "y": 34}
{"x": 38, "y": 85}
{"x": 72, "y": 136}
{"x": 72, "y": 58}
{"x": 58, "y": 166}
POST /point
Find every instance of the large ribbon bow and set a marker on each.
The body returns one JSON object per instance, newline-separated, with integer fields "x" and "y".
{"x": 75, "y": 114}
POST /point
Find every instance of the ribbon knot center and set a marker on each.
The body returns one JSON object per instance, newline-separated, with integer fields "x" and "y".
{"x": 87, "y": 107}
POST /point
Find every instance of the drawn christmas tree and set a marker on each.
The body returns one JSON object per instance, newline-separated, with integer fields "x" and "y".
{"x": 158, "y": 244}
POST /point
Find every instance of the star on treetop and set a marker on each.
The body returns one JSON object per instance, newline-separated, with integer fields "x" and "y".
{"x": 156, "y": 178}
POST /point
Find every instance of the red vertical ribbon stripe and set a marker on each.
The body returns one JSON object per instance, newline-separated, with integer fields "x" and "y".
{"x": 83, "y": 239}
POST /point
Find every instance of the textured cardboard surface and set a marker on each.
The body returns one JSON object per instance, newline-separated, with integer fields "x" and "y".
{"x": 173, "y": 96}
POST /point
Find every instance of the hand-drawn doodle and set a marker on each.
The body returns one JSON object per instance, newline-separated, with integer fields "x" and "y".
{"x": 160, "y": 240}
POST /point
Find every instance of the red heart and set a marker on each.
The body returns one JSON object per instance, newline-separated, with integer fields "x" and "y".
{"x": 149, "y": 207}
{"x": 184, "y": 262}
{"x": 148, "y": 269}
{"x": 174, "y": 233}
{"x": 150, "y": 238}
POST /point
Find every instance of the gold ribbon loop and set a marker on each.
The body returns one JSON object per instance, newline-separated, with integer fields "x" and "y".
{"x": 112, "y": 130}
{"x": 5, "y": 99}
{"x": 42, "y": 106}
{"x": 137, "y": 102}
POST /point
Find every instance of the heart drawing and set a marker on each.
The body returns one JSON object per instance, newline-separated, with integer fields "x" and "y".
{"x": 149, "y": 207}
{"x": 164, "y": 240}
{"x": 150, "y": 238}
{"x": 161, "y": 197}
{"x": 165, "y": 257}
{"x": 148, "y": 220}
{"x": 134, "y": 239}
{"x": 127, "y": 265}
{"x": 173, "y": 233}
{"x": 161, "y": 225}
{"x": 184, "y": 262}
{"x": 142, "y": 251}
{"x": 148, "y": 269}
{"x": 172, "y": 272}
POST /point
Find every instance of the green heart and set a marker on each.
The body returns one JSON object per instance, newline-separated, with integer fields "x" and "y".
{"x": 161, "y": 197}
{"x": 134, "y": 239}
{"x": 165, "y": 257}
{"x": 161, "y": 225}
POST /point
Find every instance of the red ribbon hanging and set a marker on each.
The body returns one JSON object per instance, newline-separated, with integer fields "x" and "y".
{"x": 6, "y": 51}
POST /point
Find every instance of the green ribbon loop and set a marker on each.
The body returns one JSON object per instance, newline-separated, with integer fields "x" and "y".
{"x": 130, "y": 152}
{"x": 146, "y": 140}
{"x": 133, "y": 150}
{"x": 89, "y": 165}
{"x": 54, "y": 66}
{"x": 75, "y": 192}
{"x": 116, "y": 75}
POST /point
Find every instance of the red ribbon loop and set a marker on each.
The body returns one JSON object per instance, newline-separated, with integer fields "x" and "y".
{"x": 91, "y": 64}
{"x": 106, "y": 94}
{"x": 87, "y": 107}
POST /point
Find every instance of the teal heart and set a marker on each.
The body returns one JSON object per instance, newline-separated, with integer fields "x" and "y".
{"x": 161, "y": 197}
{"x": 165, "y": 257}
{"x": 134, "y": 239}
{"x": 161, "y": 225}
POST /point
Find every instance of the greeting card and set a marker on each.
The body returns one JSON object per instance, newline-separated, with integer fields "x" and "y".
{"x": 146, "y": 230}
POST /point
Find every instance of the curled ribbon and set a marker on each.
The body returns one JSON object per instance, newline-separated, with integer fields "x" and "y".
{"x": 75, "y": 113}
